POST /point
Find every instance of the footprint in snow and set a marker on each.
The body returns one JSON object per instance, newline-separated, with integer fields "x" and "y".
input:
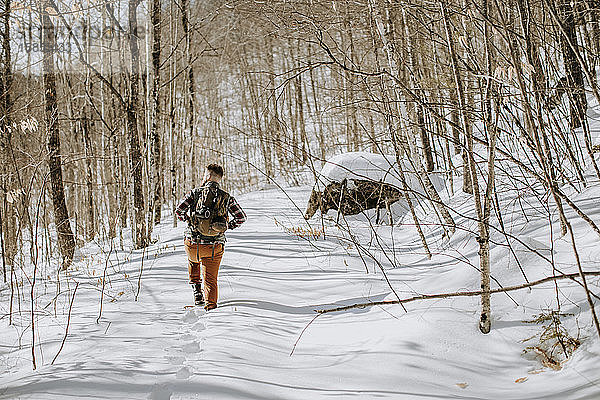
{"x": 175, "y": 360}
{"x": 193, "y": 347}
{"x": 183, "y": 373}
{"x": 187, "y": 337}
{"x": 160, "y": 392}
{"x": 190, "y": 317}
{"x": 199, "y": 327}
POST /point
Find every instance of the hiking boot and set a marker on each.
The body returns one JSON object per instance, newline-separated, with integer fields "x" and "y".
{"x": 198, "y": 297}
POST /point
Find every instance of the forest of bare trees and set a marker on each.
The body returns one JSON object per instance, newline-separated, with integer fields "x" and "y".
{"x": 110, "y": 110}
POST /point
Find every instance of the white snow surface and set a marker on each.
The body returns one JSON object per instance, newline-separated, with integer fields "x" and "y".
{"x": 270, "y": 283}
{"x": 361, "y": 165}
{"x": 377, "y": 167}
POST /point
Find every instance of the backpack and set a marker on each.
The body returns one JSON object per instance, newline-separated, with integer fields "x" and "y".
{"x": 209, "y": 211}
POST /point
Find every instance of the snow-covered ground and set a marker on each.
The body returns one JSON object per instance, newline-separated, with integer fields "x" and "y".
{"x": 263, "y": 342}
{"x": 271, "y": 282}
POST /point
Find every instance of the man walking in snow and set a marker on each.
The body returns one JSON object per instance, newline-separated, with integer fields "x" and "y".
{"x": 206, "y": 210}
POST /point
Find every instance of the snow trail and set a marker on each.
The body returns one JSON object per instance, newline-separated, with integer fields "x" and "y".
{"x": 270, "y": 283}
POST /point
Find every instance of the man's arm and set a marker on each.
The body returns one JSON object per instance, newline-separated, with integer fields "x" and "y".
{"x": 239, "y": 216}
{"x": 182, "y": 209}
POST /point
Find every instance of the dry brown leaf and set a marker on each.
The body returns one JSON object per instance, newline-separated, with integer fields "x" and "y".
{"x": 536, "y": 371}
{"x": 521, "y": 380}
{"x": 462, "y": 385}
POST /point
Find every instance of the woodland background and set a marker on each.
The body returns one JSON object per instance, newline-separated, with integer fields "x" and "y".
{"x": 110, "y": 111}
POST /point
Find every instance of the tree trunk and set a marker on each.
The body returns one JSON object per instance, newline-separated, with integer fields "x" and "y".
{"x": 539, "y": 86}
{"x": 485, "y": 322}
{"x": 256, "y": 121}
{"x": 574, "y": 73}
{"x": 8, "y": 222}
{"x": 416, "y": 111}
{"x": 90, "y": 230}
{"x": 386, "y": 36}
{"x": 482, "y": 218}
{"x": 278, "y": 139}
{"x": 135, "y": 155}
{"x": 594, "y": 6}
{"x": 172, "y": 124}
{"x": 66, "y": 242}
{"x": 189, "y": 137}
{"x": 459, "y": 145}
{"x": 301, "y": 122}
{"x": 425, "y": 142}
{"x": 318, "y": 115}
{"x": 155, "y": 140}
{"x": 352, "y": 134}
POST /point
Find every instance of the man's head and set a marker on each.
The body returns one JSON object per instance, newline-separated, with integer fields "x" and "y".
{"x": 213, "y": 172}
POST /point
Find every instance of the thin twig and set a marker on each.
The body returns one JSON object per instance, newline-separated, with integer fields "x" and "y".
{"x": 68, "y": 323}
{"x": 303, "y": 330}
{"x": 139, "y": 284}
{"x": 104, "y": 282}
{"x": 107, "y": 326}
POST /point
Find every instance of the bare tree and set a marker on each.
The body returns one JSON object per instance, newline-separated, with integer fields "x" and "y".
{"x": 155, "y": 138}
{"x": 190, "y": 84}
{"x": 8, "y": 219}
{"x": 574, "y": 74}
{"x": 66, "y": 241}
{"x": 135, "y": 156}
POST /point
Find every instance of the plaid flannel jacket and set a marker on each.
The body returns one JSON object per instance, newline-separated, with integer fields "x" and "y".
{"x": 239, "y": 217}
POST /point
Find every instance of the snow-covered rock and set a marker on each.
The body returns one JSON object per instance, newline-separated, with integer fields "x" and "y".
{"x": 362, "y": 165}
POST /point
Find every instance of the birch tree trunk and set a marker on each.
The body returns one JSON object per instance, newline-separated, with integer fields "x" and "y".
{"x": 485, "y": 322}
{"x": 482, "y": 216}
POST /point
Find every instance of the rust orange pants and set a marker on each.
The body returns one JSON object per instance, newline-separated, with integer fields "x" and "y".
{"x": 204, "y": 261}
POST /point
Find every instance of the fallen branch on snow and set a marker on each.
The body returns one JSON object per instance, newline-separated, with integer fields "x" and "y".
{"x": 459, "y": 294}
